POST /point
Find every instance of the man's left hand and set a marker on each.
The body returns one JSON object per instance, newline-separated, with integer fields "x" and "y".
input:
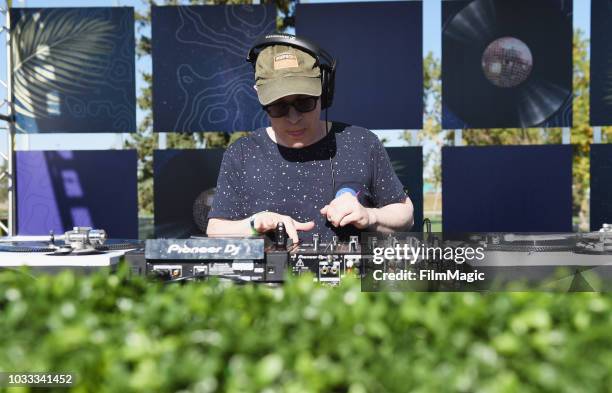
{"x": 345, "y": 210}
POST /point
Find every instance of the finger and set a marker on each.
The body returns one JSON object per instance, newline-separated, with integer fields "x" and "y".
{"x": 350, "y": 219}
{"x": 341, "y": 204}
{"x": 304, "y": 226}
{"x": 290, "y": 228}
{"x": 337, "y": 216}
{"x": 267, "y": 223}
{"x": 260, "y": 223}
{"x": 344, "y": 199}
{"x": 330, "y": 214}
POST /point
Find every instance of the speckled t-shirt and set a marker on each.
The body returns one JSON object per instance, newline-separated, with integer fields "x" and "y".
{"x": 259, "y": 175}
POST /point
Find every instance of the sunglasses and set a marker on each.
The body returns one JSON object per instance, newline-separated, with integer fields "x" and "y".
{"x": 302, "y": 105}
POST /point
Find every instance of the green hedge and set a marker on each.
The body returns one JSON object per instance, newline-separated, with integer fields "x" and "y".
{"x": 123, "y": 335}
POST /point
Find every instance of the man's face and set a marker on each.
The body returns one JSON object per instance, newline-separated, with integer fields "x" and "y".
{"x": 297, "y": 129}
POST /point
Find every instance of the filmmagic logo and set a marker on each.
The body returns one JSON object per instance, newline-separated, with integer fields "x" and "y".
{"x": 230, "y": 249}
{"x": 428, "y": 275}
{"x": 410, "y": 255}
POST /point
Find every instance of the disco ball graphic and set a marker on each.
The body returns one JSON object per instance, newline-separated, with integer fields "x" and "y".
{"x": 507, "y": 62}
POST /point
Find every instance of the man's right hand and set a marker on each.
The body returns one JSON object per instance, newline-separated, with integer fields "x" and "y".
{"x": 267, "y": 221}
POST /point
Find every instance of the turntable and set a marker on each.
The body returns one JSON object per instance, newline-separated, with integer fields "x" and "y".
{"x": 82, "y": 249}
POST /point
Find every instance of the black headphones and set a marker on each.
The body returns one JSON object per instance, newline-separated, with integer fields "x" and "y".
{"x": 326, "y": 63}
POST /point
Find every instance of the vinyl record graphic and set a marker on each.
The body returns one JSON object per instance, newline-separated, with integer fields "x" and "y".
{"x": 507, "y": 64}
{"x": 183, "y": 190}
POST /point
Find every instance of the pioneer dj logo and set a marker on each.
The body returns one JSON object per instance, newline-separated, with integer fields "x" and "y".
{"x": 229, "y": 249}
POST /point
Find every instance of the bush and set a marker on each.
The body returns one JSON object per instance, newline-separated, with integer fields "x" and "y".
{"x": 121, "y": 334}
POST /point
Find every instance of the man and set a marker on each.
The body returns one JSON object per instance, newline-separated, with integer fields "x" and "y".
{"x": 312, "y": 175}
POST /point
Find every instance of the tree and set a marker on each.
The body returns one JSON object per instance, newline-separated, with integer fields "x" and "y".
{"x": 432, "y": 124}
{"x": 582, "y": 133}
{"x": 144, "y": 140}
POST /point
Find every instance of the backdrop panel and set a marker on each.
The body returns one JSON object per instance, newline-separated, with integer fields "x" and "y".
{"x": 73, "y": 69}
{"x": 184, "y": 186}
{"x": 57, "y": 190}
{"x": 601, "y": 62}
{"x": 201, "y": 80}
{"x": 185, "y": 181}
{"x": 601, "y": 186}
{"x": 501, "y": 68}
{"x": 378, "y": 46}
{"x": 507, "y": 188}
{"x": 408, "y": 165}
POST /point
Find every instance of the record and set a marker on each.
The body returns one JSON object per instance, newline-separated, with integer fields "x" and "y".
{"x": 507, "y": 63}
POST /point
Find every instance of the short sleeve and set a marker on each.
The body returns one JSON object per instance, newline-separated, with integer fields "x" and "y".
{"x": 386, "y": 186}
{"x": 228, "y": 202}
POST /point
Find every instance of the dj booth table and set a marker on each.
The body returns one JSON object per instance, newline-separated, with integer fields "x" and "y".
{"x": 43, "y": 263}
{"x": 534, "y": 262}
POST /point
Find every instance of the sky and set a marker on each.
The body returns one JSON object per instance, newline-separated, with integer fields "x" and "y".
{"x": 431, "y": 43}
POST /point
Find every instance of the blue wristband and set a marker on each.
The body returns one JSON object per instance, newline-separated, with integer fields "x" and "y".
{"x": 345, "y": 190}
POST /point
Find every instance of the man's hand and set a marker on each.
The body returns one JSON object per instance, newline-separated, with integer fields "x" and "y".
{"x": 267, "y": 221}
{"x": 345, "y": 210}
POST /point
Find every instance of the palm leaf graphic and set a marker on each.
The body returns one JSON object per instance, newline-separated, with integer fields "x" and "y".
{"x": 57, "y": 53}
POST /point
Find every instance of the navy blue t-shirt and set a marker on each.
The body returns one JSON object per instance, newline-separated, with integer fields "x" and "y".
{"x": 258, "y": 174}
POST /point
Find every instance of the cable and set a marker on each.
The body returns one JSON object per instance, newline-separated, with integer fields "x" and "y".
{"x": 331, "y": 160}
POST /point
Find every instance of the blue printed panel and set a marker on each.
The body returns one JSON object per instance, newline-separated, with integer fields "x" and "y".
{"x": 201, "y": 80}
{"x": 506, "y": 63}
{"x": 507, "y": 189}
{"x": 57, "y": 190}
{"x": 601, "y": 186}
{"x": 378, "y": 46}
{"x": 73, "y": 69}
{"x": 185, "y": 182}
{"x": 601, "y": 63}
{"x": 408, "y": 165}
{"x": 184, "y": 188}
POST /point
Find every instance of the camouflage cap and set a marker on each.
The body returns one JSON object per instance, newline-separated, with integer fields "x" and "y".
{"x": 283, "y": 70}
